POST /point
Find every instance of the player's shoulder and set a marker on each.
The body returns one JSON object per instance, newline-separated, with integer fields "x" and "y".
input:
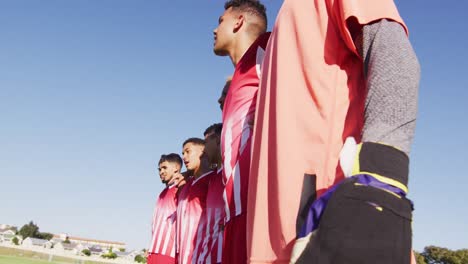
{"x": 171, "y": 190}
{"x": 262, "y": 40}
{"x": 202, "y": 179}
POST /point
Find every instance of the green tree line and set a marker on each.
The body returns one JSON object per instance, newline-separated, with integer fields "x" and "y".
{"x": 440, "y": 255}
{"x": 32, "y": 230}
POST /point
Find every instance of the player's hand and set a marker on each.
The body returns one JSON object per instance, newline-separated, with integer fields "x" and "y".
{"x": 178, "y": 180}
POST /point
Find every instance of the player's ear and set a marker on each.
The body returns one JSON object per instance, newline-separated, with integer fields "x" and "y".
{"x": 239, "y": 22}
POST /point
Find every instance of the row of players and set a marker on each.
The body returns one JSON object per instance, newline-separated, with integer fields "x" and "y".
{"x": 188, "y": 221}
{"x": 330, "y": 93}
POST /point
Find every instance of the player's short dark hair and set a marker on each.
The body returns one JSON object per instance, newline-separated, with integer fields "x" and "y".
{"x": 195, "y": 141}
{"x": 215, "y": 128}
{"x": 171, "y": 158}
{"x": 253, "y": 7}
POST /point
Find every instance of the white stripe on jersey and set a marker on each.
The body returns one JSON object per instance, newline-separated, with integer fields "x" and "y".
{"x": 160, "y": 236}
{"x": 168, "y": 234}
{"x": 219, "y": 239}
{"x": 207, "y": 235}
{"x": 228, "y": 151}
{"x": 220, "y": 247}
{"x": 155, "y": 233}
{"x": 188, "y": 243}
{"x": 245, "y": 133}
{"x": 226, "y": 206}
{"x": 182, "y": 235}
{"x": 173, "y": 250}
{"x": 199, "y": 242}
{"x": 237, "y": 189}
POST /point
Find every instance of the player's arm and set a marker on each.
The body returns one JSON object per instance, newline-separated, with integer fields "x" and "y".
{"x": 179, "y": 179}
{"x": 392, "y": 74}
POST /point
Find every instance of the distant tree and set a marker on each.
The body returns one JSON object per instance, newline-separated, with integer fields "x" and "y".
{"x": 46, "y": 236}
{"x": 122, "y": 249}
{"x": 29, "y": 230}
{"x": 15, "y": 241}
{"x": 419, "y": 258}
{"x": 109, "y": 255}
{"x": 438, "y": 255}
{"x": 66, "y": 241}
{"x": 32, "y": 230}
{"x": 140, "y": 259}
{"x": 86, "y": 252}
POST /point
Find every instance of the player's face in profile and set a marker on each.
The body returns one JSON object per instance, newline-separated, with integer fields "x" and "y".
{"x": 191, "y": 155}
{"x": 223, "y": 95}
{"x": 224, "y": 33}
{"x": 167, "y": 170}
{"x": 211, "y": 147}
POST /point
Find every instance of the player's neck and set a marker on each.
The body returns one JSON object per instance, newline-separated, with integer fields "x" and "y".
{"x": 240, "y": 47}
{"x": 204, "y": 168}
{"x": 219, "y": 162}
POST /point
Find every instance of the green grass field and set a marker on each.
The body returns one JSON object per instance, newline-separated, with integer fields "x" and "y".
{"x": 17, "y": 256}
{"x": 23, "y": 260}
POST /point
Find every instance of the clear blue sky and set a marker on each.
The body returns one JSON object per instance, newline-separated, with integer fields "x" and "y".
{"x": 93, "y": 92}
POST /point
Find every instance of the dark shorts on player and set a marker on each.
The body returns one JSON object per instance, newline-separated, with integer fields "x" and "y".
{"x": 362, "y": 225}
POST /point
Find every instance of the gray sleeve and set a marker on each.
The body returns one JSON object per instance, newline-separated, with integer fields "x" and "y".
{"x": 392, "y": 75}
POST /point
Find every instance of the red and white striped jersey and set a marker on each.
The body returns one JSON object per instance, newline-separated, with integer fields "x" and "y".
{"x": 209, "y": 246}
{"x": 190, "y": 208}
{"x": 238, "y": 115}
{"x": 164, "y": 226}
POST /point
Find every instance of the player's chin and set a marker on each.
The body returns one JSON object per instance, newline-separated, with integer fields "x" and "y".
{"x": 219, "y": 52}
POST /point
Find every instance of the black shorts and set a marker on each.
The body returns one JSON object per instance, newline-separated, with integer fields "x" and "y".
{"x": 362, "y": 225}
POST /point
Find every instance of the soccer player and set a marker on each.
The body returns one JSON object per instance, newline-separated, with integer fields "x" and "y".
{"x": 162, "y": 247}
{"x": 224, "y": 92}
{"x": 192, "y": 198}
{"x": 333, "y": 70}
{"x": 241, "y": 36}
{"x": 210, "y": 237}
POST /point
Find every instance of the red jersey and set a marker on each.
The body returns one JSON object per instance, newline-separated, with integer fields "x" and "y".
{"x": 163, "y": 226}
{"x": 209, "y": 244}
{"x": 191, "y": 205}
{"x": 238, "y": 115}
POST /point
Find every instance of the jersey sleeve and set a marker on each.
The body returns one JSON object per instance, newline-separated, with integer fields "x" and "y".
{"x": 365, "y": 12}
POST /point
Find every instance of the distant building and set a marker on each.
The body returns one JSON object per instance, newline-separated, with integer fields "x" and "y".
{"x": 97, "y": 251}
{"x": 7, "y": 232}
{"x": 103, "y": 244}
{"x": 121, "y": 254}
{"x": 36, "y": 242}
{"x": 67, "y": 247}
{"x": 4, "y": 226}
